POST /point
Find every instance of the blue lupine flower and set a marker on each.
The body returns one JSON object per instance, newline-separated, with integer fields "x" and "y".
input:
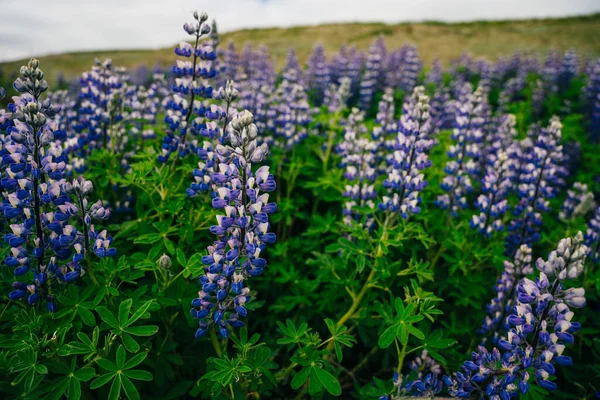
{"x": 337, "y": 96}
{"x": 578, "y": 202}
{"x": 543, "y": 304}
{"x": 373, "y": 76}
{"x": 214, "y": 131}
{"x": 405, "y": 179}
{"x": 41, "y": 205}
{"x": 242, "y": 230}
{"x": 592, "y": 237}
{"x": 538, "y": 178}
{"x": 467, "y": 136}
{"x": 359, "y": 159}
{"x": 192, "y": 82}
{"x": 402, "y": 68}
{"x": 503, "y": 302}
{"x": 317, "y": 74}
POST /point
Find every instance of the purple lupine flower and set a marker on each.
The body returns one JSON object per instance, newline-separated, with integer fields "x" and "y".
{"x": 500, "y": 307}
{"x": 578, "y": 202}
{"x": 550, "y": 71}
{"x": 374, "y": 73}
{"x": 214, "y": 130}
{"x": 290, "y": 114}
{"x": 402, "y": 68}
{"x": 192, "y": 82}
{"x": 543, "y": 304}
{"x": 568, "y": 69}
{"x": 493, "y": 203}
{"x": 337, "y": 96}
{"x": 243, "y": 230}
{"x": 41, "y": 206}
{"x": 538, "y": 179}
{"x": 424, "y": 364}
{"x": 292, "y": 71}
{"x": 467, "y": 136}
{"x": 537, "y": 99}
{"x": 317, "y": 75}
{"x": 100, "y": 88}
{"x": 592, "y": 237}
{"x": 405, "y": 179}
{"x": 230, "y": 66}
{"x": 435, "y": 76}
{"x": 359, "y": 159}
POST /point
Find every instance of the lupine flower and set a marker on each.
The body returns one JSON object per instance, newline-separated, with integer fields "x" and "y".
{"x": 492, "y": 203}
{"x": 541, "y": 305}
{"x": 424, "y": 364}
{"x": 191, "y": 82}
{"x": 537, "y": 183}
{"x": 42, "y": 207}
{"x": 214, "y": 130}
{"x": 317, "y": 76}
{"x": 467, "y": 136}
{"x": 578, "y": 202}
{"x": 358, "y": 161}
{"x": 289, "y": 114}
{"x": 502, "y": 304}
{"x": 230, "y": 65}
{"x": 292, "y": 71}
{"x": 100, "y": 89}
{"x": 592, "y": 237}
{"x": 403, "y": 68}
{"x": 373, "y": 75}
{"x": 568, "y": 70}
{"x": 336, "y": 97}
{"x": 406, "y": 180}
{"x": 242, "y": 230}
{"x": 537, "y": 99}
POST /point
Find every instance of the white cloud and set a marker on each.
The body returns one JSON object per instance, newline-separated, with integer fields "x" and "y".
{"x": 37, "y": 27}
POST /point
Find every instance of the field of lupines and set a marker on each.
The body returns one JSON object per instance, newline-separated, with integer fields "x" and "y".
{"x": 364, "y": 226}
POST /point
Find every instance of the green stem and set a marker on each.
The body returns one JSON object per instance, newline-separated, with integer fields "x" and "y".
{"x": 215, "y": 342}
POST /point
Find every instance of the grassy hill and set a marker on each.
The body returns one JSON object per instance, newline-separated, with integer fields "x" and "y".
{"x": 488, "y": 39}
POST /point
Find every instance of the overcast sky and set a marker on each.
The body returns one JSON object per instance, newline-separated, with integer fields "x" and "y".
{"x": 39, "y": 27}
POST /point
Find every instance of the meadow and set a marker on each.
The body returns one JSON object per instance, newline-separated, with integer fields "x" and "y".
{"x": 355, "y": 211}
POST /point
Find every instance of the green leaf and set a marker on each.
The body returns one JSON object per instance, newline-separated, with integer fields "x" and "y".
{"x": 314, "y": 384}
{"x": 140, "y": 312}
{"x": 360, "y": 262}
{"x": 74, "y": 391}
{"x": 399, "y": 305}
{"x": 387, "y": 337}
{"x": 329, "y": 381}
{"x": 102, "y": 380}
{"x": 130, "y": 391}
{"x": 180, "y": 257}
{"x": 86, "y": 316}
{"x": 135, "y": 360}
{"x": 138, "y": 374}
{"x": 147, "y": 330}
{"x": 107, "y": 317}
{"x": 124, "y": 308}
{"x": 120, "y": 357}
{"x": 41, "y": 369}
{"x": 106, "y": 364}
{"x": 300, "y": 378}
{"x": 84, "y": 374}
{"x": 115, "y": 389}
{"x": 415, "y": 332}
{"x": 130, "y": 344}
{"x": 402, "y": 333}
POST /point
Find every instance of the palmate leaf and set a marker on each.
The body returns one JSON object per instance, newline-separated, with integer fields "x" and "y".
{"x": 121, "y": 374}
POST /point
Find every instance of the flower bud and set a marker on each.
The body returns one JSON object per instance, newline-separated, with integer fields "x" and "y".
{"x": 164, "y": 262}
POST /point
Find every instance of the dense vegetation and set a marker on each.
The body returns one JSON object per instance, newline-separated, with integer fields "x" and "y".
{"x": 362, "y": 227}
